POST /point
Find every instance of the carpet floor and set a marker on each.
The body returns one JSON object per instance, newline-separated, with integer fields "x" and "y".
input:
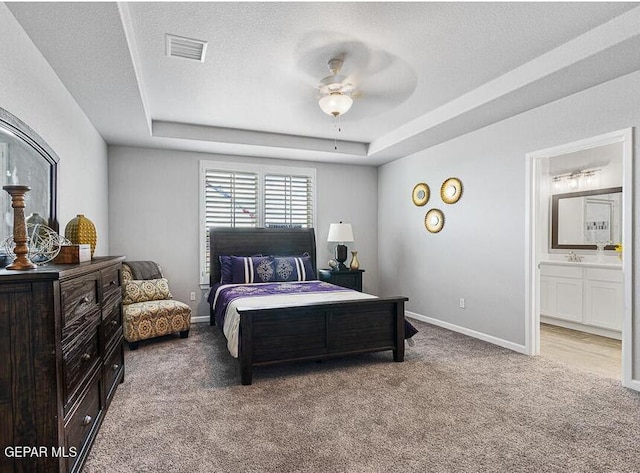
{"x": 456, "y": 404}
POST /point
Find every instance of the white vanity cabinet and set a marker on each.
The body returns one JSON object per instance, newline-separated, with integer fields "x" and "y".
{"x": 582, "y": 296}
{"x": 561, "y": 292}
{"x": 603, "y": 298}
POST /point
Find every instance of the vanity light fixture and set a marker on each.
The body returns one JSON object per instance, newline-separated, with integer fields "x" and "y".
{"x": 576, "y": 179}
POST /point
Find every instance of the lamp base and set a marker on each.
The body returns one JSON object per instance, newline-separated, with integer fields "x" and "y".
{"x": 341, "y": 257}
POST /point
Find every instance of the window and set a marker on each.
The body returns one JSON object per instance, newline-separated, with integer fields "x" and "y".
{"x": 288, "y": 201}
{"x": 231, "y": 198}
{"x": 243, "y": 195}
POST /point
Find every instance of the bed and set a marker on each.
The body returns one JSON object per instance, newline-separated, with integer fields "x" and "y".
{"x": 269, "y": 334}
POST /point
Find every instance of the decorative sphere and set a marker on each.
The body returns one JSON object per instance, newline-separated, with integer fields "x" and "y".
{"x": 43, "y": 242}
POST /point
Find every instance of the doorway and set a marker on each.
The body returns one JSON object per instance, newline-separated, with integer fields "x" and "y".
{"x": 578, "y": 286}
{"x": 582, "y": 350}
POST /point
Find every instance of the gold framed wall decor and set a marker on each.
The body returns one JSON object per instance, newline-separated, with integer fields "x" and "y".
{"x": 451, "y": 190}
{"x": 420, "y": 194}
{"x": 434, "y": 220}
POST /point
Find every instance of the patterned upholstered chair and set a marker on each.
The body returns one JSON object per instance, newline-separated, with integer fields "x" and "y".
{"x": 149, "y": 308}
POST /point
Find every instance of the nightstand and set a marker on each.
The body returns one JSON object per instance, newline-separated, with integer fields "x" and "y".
{"x": 348, "y": 278}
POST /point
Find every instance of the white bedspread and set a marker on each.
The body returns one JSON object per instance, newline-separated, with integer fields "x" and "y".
{"x": 232, "y": 317}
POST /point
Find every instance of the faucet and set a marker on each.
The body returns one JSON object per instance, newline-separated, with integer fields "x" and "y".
{"x": 574, "y": 257}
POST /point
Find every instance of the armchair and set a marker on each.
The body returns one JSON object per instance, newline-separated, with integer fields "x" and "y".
{"x": 149, "y": 308}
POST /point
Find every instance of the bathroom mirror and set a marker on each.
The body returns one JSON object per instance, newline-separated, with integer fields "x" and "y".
{"x": 26, "y": 159}
{"x": 579, "y": 220}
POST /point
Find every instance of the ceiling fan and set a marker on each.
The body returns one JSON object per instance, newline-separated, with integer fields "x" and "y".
{"x": 334, "y": 91}
{"x": 363, "y": 81}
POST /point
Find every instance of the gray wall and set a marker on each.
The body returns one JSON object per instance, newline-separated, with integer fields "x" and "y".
{"x": 480, "y": 254}
{"x": 30, "y": 90}
{"x": 153, "y": 201}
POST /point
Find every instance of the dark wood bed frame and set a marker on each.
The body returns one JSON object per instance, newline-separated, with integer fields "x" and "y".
{"x": 310, "y": 331}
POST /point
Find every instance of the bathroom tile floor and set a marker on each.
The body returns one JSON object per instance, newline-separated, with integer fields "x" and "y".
{"x": 593, "y": 353}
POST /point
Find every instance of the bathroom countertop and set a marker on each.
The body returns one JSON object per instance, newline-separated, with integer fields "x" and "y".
{"x": 588, "y": 263}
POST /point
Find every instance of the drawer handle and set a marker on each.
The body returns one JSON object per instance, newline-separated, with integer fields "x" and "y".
{"x": 113, "y": 283}
{"x": 87, "y": 420}
{"x": 85, "y": 300}
{"x": 85, "y": 357}
{"x": 114, "y": 322}
{"x": 115, "y": 367}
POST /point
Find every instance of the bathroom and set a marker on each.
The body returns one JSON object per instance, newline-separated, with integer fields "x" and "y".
{"x": 581, "y": 278}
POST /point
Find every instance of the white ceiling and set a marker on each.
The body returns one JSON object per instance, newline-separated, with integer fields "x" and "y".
{"x": 425, "y": 72}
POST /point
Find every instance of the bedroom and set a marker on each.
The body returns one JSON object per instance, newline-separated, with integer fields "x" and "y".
{"x": 480, "y": 254}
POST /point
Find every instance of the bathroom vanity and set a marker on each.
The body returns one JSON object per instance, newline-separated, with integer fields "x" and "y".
{"x": 585, "y": 296}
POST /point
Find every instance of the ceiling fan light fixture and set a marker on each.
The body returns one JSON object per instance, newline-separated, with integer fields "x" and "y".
{"x": 335, "y": 103}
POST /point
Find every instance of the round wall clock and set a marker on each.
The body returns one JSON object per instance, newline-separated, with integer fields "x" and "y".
{"x": 420, "y": 194}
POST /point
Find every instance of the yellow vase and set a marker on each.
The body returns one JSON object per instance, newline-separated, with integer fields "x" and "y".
{"x": 355, "y": 264}
{"x": 82, "y": 231}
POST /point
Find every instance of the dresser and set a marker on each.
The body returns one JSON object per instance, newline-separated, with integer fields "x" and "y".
{"x": 351, "y": 279}
{"x": 62, "y": 355}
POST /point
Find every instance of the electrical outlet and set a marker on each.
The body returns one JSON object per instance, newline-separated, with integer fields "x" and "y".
{"x": 193, "y": 296}
{"x": 462, "y": 302}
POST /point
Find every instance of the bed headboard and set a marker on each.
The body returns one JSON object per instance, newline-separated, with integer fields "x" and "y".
{"x": 259, "y": 241}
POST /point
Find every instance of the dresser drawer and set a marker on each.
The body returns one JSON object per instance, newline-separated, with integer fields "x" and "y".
{"x": 111, "y": 326}
{"x": 80, "y": 357}
{"x": 80, "y": 302}
{"x": 111, "y": 286}
{"x": 349, "y": 279}
{"x": 113, "y": 369}
{"x": 82, "y": 422}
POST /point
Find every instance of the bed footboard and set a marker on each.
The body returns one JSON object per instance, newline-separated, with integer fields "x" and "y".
{"x": 319, "y": 331}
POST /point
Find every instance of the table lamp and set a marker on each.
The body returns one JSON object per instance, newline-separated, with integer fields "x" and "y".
{"x": 340, "y": 233}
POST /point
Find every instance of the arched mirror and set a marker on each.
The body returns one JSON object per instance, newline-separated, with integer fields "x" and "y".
{"x": 26, "y": 159}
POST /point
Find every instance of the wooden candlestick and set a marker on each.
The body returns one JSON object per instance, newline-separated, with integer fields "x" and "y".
{"x": 20, "y": 237}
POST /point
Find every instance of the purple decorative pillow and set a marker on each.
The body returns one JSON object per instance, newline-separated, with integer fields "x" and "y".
{"x": 252, "y": 269}
{"x": 293, "y": 268}
{"x": 225, "y": 269}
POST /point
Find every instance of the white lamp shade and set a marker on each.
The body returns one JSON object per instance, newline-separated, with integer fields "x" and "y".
{"x": 340, "y": 232}
{"x": 335, "y": 103}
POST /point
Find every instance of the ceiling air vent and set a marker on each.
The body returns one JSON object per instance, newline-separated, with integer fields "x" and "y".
{"x": 186, "y": 48}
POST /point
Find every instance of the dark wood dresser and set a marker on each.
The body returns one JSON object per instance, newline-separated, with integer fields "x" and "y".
{"x": 61, "y": 360}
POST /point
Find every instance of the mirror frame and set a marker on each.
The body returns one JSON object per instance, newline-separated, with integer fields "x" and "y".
{"x": 554, "y": 218}
{"x": 415, "y": 194}
{"x": 434, "y": 227}
{"x": 456, "y": 184}
{"x": 24, "y": 132}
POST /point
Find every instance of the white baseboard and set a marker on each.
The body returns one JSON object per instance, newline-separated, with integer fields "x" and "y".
{"x": 471, "y": 333}
{"x": 603, "y": 332}
{"x": 455, "y": 328}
